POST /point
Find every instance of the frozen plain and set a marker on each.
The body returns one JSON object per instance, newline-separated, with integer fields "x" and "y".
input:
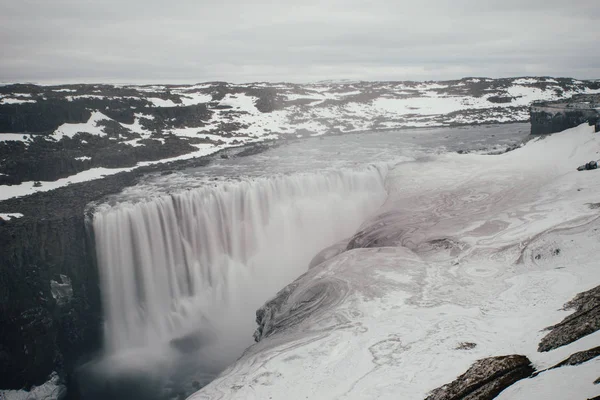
{"x": 463, "y": 250}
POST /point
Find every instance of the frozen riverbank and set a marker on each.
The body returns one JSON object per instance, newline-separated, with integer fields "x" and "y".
{"x": 468, "y": 249}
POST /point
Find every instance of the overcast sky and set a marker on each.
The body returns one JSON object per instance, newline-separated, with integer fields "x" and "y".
{"x": 299, "y": 41}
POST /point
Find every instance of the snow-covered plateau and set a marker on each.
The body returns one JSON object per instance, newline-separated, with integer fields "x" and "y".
{"x": 471, "y": 256}
{"x": 74, "y": 133}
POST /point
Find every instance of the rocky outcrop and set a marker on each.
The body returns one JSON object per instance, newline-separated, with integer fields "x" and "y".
{"x": 555, "y": 116}
{"x": 579, "y": 358}
{"x": 585, "y": 320}
{"x": 485, "y": 379}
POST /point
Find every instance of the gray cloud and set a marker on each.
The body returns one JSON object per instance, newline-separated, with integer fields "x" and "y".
{"x": 238, "y": 41}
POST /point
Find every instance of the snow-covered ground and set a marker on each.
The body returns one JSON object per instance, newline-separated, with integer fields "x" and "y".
{"x": 467, "y": 248}
{"x": 26, "y": 188}
{"x": 236, "y": 114}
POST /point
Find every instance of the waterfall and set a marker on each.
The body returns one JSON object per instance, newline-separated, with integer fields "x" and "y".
{"x": 192, "y": 268}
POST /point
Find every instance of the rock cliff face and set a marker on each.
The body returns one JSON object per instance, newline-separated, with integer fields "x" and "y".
{"x": 555, "y": 116}
{"x": 50, "y": 308}
{"x": 49, "y": 300}
{"x": 50, "y": 312}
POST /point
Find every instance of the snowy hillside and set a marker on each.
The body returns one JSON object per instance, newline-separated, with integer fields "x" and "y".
{"x": 77, "y": 132}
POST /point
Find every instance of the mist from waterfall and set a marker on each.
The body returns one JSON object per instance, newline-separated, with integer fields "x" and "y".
{"x": 187, "y": 272}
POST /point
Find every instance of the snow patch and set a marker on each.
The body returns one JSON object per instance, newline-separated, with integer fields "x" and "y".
{"x": 190, "y": 99}
{"x": 91, "y": 127}
{"x": 10, "y": 216}
{"x": 15, "y": 101}
{"x": 158, "y": 102}
{"x": 18, "y": 137}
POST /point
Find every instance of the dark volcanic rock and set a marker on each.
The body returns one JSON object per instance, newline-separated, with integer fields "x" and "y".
{"x": 556, "y": 116}
{"x": 485, "y": 379}
{"x": 585, "y": 320}
{"x": 579, "y": 357}
{"x": 500, "y": 99}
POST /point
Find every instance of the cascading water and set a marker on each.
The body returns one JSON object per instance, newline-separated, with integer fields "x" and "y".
{"x": 188, "y": 271}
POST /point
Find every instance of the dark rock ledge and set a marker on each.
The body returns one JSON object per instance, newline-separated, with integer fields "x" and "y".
{"x": 584, "y": 321}
{"x": 485, "y": 379}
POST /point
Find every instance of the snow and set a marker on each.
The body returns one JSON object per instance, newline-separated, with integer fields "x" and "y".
{"x": 397, "y": 105}
{"x": 20, "y": 137}
{"x": 198, "y": 133}
{"x": 51, "y": 390}
{"x": 560, "y": 383}
{"x": 137, "y": 127}
{"x": 158, "y": 102}
{"x": 15, "y": 101}
{"x": 203, "y": 150}
{"x": 10, "y": 216}
{"x": 525, "y": 81}
{"x": 385, "y": 321}
{"x": 26, "y": 188}
{"x": 146, "y": 116}
{"x": 91, "y": 127}
{"x": 189, "y": 99}
{"x": 85, "y": 96}
{"x": 240, "y": 102}
{"x": 83, "y": 158}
